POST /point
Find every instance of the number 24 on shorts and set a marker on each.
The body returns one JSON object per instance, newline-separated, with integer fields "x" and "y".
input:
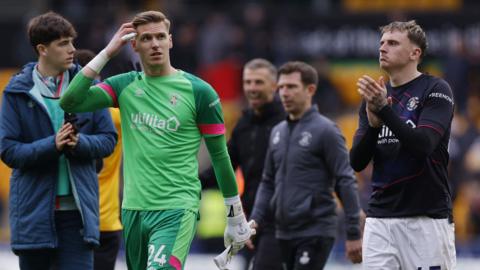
{"x": 158, "y": 258}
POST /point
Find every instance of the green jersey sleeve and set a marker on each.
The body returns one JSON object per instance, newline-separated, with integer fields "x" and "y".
{"x": 80, "y": 96}
{"x": 114, "y": 85}
{"x": 208, "y": 107}
{"x": 217, "y": 147}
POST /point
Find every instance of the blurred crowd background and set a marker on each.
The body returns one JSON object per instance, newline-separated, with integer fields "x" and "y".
{"x": 340, "y": 38}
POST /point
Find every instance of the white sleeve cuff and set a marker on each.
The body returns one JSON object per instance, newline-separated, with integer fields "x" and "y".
{"x": 232, "y": 200}
{"x": 234, "y": 206}
{"x": 98, "y": 62}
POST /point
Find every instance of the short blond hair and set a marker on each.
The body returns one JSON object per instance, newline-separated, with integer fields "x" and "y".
{"x": 150, "y": 16}
{"x": 415, "y": 33}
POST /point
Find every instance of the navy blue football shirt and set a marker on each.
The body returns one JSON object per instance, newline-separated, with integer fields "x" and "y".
{"x": 405, "y": 184}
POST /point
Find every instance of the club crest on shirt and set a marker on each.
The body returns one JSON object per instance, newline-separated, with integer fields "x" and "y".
{"x": 174, "y": 99}
{"x": 306, "y": 139}
{"x": 412, "y": 103}
{"x": 305, "y": 259}
{"x": 139, "y": 92}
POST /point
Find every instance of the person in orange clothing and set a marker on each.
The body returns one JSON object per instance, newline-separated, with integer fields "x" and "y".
{"x": 109, "y": 187}
{"x": 5, "y": 173}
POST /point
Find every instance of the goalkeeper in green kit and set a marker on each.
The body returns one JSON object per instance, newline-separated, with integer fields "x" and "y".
{"x": 164, "y": 114}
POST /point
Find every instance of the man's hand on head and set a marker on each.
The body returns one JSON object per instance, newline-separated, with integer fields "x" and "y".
{"x": 118, "y": 41}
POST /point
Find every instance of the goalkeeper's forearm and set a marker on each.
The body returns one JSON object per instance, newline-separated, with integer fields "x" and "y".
{"x": 222, "y": 166}
{"x": 237, "y": 231}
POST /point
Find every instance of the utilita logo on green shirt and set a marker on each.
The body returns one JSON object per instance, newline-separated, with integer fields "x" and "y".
{"x": 152, "y": 123}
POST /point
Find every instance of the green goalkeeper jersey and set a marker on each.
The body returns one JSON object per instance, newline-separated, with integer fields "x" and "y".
{"x": 163, "y": 120}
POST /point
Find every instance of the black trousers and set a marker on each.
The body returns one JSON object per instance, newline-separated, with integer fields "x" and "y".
{"x": 267, "y": 254}
{"x": 309, "y": 253}
{"x": 106, "y": 254}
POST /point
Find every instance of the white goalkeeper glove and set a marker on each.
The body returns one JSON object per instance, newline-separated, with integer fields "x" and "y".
{"x": 238, "y": 231}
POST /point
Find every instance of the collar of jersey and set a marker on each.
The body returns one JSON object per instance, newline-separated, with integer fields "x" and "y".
{"x": 162, "y": 78}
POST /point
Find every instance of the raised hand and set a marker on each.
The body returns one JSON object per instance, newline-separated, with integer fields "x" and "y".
{"x": 116, "y": 43}
{"x": 93, "y": 68}
{"x": 374, "y": 93}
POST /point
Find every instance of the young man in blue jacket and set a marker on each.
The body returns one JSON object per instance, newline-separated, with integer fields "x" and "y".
{"x": 54, "y": 186}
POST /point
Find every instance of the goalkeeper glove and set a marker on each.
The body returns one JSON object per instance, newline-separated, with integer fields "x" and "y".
{"x": 238, "y": 231}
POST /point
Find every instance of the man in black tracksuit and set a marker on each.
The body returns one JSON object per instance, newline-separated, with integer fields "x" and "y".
{"x": 247, "y": 149}
{"x": 306, "y": 161}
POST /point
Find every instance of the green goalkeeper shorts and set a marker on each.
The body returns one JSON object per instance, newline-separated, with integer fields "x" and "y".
{"x": 158, "y": 239}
